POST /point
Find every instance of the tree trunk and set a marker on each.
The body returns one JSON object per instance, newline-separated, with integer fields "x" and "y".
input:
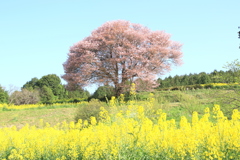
{"x": 118, "y": 91}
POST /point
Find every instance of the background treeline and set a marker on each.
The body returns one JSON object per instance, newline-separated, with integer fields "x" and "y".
{"x": 200, "y": 78}
{"x": 47, "y": 89}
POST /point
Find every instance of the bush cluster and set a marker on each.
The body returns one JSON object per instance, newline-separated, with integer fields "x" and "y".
{"x": 89, "y": 110}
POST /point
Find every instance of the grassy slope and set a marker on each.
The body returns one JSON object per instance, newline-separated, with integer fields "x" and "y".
{"x": 174, "y": 103}
{"x": 32, "y": 117}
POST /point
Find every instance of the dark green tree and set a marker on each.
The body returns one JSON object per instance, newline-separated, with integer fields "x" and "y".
{"x": 52, "y": 81}
{"x": 222, "y": 76}
{"x": 82, "y": 94}
{"x": 170, "y": 81}
{"x": 32, "y": 84}
{"x": 176, "y": 80}
{"x": 185, "y": 80}
{"x": 203, "y": 78}
{"x": 74, "y": 91}
{"x": 104, "y": 91}
{"x": 191, "y": 79}
{"x": 60, "y": 92}
{"x": 46, "y": 95}
{"x": 3, "y": 95}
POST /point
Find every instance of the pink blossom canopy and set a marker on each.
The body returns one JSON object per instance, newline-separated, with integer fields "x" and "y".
{"x": 119, "y": 51}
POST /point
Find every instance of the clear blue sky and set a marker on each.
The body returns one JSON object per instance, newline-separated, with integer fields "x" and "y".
{"x": 35, "y": 36}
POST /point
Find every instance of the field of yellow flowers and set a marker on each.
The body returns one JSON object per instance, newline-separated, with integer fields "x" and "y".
{"x": 219, "y": 84}
{"x": 127, "y": 132}
{"x": 12, "y": 107}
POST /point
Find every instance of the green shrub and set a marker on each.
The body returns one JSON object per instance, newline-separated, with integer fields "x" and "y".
{"x": 3, "y": 95}
{"x": 208, "y": 86}
{"x": 46, "y": 95}
{"x": 71, "y": 100}
{"x": 142, "y": 96}
{"x": 91, "y": 109}
{"x": 228, "y": 100}
{"x": 103, "y": 92}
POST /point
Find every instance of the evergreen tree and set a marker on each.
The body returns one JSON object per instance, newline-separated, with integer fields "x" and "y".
{"x": 46, "y": 95}
{"x": 3, "y": 95}
{"x": 185, "y": 80}
{"x": 176, "y": 80}
{"x": 32, "y": 84}
{"x": 104, "y": 91}
{"x": 74, "y": 91}
{"x": 52, "y": 81}
{"x": 203, "y": 78}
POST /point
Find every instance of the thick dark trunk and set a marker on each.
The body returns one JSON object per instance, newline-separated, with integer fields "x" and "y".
{"x": 119, "y": 88}
{"x": 118, "y": 91}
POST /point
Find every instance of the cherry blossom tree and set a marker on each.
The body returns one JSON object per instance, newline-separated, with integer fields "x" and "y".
{"x": 118, "y": 52}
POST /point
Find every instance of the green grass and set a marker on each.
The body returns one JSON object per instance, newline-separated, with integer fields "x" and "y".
{"x": 174, "y": 103}
{"x": 183, "y": 103}
{"x": 32, "y": 117}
